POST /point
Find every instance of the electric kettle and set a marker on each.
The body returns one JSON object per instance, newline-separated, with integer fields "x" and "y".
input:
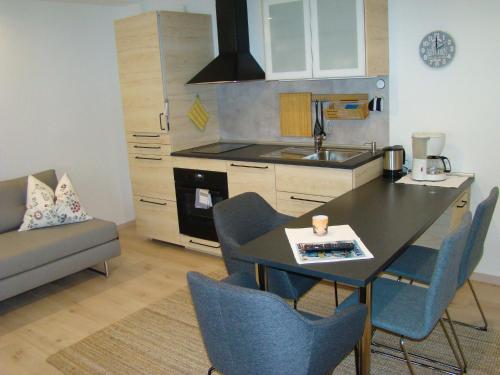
{"x": 394, "y": 158}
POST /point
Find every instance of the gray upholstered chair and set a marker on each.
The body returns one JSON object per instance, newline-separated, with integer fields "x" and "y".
{"x": 411, "y": 311}
{"x": 248, "y": 331}
{"x": 418, "y": 262}
{"x": 243, "y": 218}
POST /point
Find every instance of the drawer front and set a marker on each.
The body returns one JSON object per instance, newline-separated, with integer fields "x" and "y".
{"x": 198, "y": 244}
{"x": 199, "y": 164}
{"x": 148, "y": 149}
{"x": 243, "y": 177}
{"x": 137, "y": 137}
{"x": 295, "y": 204}
{"x": 329, "y": 182}
{"x": 152, "y": 176}
{"x": 157, "y": 219}
{"x": 459, "y": 208}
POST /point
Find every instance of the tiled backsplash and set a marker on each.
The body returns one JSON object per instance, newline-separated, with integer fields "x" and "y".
{"x": 250, "y": 111}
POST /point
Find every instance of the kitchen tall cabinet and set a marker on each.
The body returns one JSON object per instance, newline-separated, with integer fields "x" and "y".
{"x": 325, "y": 38}
{"x": 157, "y": 53}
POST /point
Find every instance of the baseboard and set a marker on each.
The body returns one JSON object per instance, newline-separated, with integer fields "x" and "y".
{"x": 485, "y": 278}
{"x": 126, "y": 225}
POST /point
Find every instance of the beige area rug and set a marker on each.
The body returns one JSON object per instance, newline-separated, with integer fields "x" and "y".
{"x": 163, "y": 338}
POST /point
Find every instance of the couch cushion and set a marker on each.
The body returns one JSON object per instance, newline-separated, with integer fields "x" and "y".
{"x": 22, "y": 251}
{"x": 13, "y": 199}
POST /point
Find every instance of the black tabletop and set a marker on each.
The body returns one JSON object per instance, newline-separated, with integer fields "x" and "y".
{"x": 386, "y": 216}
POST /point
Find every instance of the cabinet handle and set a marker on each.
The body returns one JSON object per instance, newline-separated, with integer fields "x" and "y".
{"x": 202, "y": 244}
{"x": 144, "y": 158}
{"x": 248, "y": 166}
{"x": 148, "y": 147}
{"x": 146, "y": 201}
{"x": 462, "y": 205}
{"x": 146, "y": 136}
{"x": 161, "y": 124}
{"x": 306, "y": 200}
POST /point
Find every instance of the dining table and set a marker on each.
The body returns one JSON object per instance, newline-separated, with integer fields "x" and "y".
{"x": 386, "y": 216}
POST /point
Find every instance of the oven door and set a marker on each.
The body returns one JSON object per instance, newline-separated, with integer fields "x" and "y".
{"x": 196, "y": 222}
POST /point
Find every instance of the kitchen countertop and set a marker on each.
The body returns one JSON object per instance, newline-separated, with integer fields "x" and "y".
{"x": 252, "y": 153}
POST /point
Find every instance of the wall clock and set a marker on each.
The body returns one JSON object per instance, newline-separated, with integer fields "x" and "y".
{"x": 437, "y": 49}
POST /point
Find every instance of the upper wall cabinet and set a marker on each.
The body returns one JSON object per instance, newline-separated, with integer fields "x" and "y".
{"x": 325, "y": 38}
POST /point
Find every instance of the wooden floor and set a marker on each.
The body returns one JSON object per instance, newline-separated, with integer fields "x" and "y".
{"x": 38, "y": 323}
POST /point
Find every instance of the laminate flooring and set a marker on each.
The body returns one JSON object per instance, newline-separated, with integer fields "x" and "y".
{"x": 40, "y": 322}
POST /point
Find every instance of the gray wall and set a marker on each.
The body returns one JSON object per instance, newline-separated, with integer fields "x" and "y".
{"x": 250, "y": 111}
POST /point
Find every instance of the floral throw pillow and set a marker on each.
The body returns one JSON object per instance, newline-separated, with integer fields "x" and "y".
{"x": 68, "y": 206}
{"x": 40, "y": 206}
{"x": 46, "y": 209}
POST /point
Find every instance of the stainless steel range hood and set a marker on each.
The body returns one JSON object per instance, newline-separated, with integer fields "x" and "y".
{"x": 235, "y": 62}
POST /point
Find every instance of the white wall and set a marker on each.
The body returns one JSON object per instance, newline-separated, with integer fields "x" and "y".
{"x": 60, "y": 102}
{"x": 460, "y": 100}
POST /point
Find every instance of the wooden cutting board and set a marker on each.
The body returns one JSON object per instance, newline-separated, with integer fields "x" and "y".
{"x": 296, "y": 114}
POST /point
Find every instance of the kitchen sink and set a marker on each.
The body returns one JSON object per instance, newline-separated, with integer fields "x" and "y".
{"x": 334, "y": 155}
{"x": 338, "y": 155}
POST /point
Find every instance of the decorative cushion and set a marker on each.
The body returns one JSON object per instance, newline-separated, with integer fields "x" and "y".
{"x": 46, "y": 209}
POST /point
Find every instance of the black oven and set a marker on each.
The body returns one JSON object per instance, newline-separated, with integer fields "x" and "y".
{"x": 198, "y": 222}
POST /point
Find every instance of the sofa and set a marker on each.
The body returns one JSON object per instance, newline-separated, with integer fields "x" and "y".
{"x": 36, "y": 257}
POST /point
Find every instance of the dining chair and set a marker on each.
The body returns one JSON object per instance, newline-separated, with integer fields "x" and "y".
{"x": 412, "y": 311}
{"x": 417, "y": 262}
{"x": 249, "y": 331}
{"x": 243, "y": 218}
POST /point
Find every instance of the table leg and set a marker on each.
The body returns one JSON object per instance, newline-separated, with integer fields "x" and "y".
{"x": 262, "y": 276}
{"x": 365, "y": 296}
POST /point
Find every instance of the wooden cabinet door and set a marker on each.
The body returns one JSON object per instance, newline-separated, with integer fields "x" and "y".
{"x": 295, "y": 204}
{"x": 243, "y": 177}
{"x": 152, "y": 176}
{"x": 157, "y": 219}
{"x": 142, "y": 90}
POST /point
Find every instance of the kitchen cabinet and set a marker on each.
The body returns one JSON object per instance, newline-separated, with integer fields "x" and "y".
{"x": 245, "y": 177}
{"x": 199, "y": 244}
{"x": 325, "y": 38}
{"x": 297, "y": 204}
{"x": 157, "y": 53}
{"x": 447, "y": 222}
{"x": 157, "y": 219}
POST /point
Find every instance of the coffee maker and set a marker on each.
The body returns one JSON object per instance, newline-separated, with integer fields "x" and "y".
{"x": 428, "y": 164}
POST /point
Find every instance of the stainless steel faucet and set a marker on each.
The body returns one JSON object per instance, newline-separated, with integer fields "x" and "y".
{"x": 318, "y": 142}
{"x": 373, "y": 146}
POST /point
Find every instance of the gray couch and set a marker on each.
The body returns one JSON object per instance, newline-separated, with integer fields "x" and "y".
{"x": 32, "y": 258}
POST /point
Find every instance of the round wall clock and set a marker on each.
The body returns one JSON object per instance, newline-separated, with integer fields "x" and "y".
{"x": 437, "y": 49}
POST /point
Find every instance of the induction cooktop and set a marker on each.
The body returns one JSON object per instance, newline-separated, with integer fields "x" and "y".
{"x": 219, "y": 148}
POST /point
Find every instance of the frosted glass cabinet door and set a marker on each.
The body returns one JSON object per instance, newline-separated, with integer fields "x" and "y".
{"x": 287, "y": 29}
{"x": 338, "y": 38}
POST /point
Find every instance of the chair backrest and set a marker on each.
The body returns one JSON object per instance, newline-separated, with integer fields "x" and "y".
{"x": 13, "y": 199}
{"x": 477, "y": 235}
{"x": 247, "y": 331}
{"x": 239, "y": 220}
{"x": 445, "y": 276}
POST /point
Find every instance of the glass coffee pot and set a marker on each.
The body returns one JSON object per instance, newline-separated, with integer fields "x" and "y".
{"x": 438, "y": 166}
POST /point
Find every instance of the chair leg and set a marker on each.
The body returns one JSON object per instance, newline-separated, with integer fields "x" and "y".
{"x": 457, "y": 357}
{"x": 336, "y": 294}
{"x": 407, "y": 358}
{"x": 464, "y": 361}
{"x": 210, "y": 370}
{"x": 356, "y": 360}
{"x": 485, "y": 327}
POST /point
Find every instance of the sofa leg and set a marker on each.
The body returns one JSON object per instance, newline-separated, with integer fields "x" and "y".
{"x": 104, "y": 272}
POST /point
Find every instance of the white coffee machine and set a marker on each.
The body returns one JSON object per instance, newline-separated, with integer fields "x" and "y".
{"x": 428, "y": 164}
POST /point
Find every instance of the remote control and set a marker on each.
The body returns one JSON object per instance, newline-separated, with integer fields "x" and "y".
{"x": 327, "y": 246}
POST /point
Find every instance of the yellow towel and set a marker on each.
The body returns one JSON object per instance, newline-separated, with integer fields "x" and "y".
{"x": 198, "y": 114}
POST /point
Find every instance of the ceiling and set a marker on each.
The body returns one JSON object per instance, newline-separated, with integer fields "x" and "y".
{"x": 97, "y": 2}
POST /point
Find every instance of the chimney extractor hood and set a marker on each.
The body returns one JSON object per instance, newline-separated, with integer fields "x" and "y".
{"x": 234, "y": 63}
